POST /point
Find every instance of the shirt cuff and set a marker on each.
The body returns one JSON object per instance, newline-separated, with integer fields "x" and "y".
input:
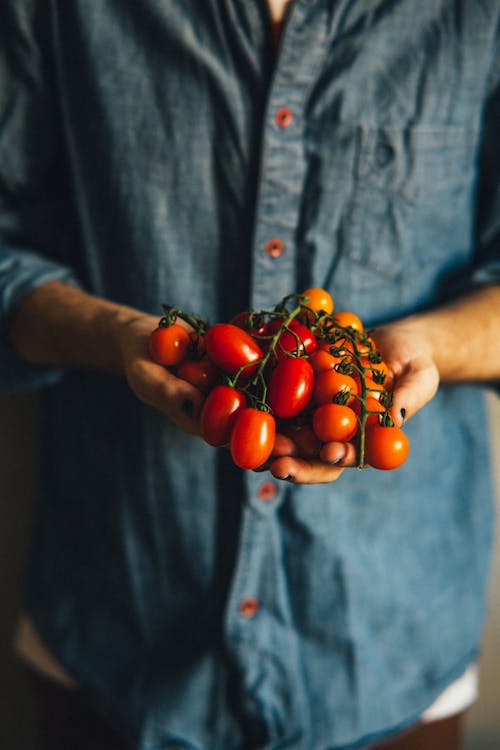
{"x": 22, "y": 271}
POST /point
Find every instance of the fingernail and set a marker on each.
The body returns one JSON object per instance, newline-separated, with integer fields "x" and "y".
{"x": 187, "y": 408}
{"x": 336, "y": 462}
{"x": 288, "y": 478}
{"x": 403, "y": 414}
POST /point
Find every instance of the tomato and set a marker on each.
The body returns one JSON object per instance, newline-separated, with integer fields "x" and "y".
{"x": 386, "y": 447}
{"x": 219, "y": 412}
{"x": 297, "y": 339}
{"x": 334, "y": 422}
{"x": 374, "y": 389}
{"x": 202, "y": 373}
{"x": 290, "y": 387}
{"x": 231, "y": 348}
{"x": 250, "y": 322}
{"x": 318, "y": 300}
{"x": 346, "y": 319}
{"x": 372, "y": 405}
{"x": 168, "y": 345}
{"x": 379, "y": 367}
{"x": 329, "y": 383}
{"x": 321, "y": 361}
{"x": 252, "y": 438}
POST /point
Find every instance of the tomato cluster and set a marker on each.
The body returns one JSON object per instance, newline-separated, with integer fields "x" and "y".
{"x": 299, "y": 369}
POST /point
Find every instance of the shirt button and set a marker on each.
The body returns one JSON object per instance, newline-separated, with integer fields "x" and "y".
{"x": 249, "y": 606}
{"x": 267, "y": 490}
{"x": 284, "y": 117}
{"x": 275, "y": 247}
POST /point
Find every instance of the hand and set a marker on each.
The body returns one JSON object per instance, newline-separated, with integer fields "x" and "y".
{"x": 154, "y": 384}
{"x": 406, "y": 351}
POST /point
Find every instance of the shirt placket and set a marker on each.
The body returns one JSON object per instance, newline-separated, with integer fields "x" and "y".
{"x": 259, "y": 622}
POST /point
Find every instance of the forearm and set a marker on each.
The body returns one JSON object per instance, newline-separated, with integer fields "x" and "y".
{"x": 461, "y": 337}
{"x": 60, "y": 325}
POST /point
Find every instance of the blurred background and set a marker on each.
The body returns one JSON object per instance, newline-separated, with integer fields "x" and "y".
{"x": 18, "y": 471}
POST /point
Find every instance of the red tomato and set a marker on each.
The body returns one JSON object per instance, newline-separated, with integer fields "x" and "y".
{"x": 219, "y": 413}
{"x": 321, "y": 361}
{"x": 386, "y": 447}
{"x": 231, "y": 347}
{"x": 202, "y": 373}
{"x": 252, "y": 438}
{"x": 297, "y": 338}
{"x": 334, "y": 422}
{"x": 168, "y": 345}
{"x": 379, "y": 367}
{"x": 290, "y": 387}
{"x": 331, "y": 382}
{"x": 343, "y": 348}
{"x": 372, "y": 405}
{"x": 251, "y": 323}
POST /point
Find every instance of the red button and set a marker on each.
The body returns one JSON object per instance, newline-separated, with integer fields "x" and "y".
{"x": 249, "y": 606}
{"x": 275, "y": 247}
{"x": 267, "y": 490}
{"x": 284, "y": 117}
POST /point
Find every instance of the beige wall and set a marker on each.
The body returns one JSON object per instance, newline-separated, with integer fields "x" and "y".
{"x": 18, "y": 420}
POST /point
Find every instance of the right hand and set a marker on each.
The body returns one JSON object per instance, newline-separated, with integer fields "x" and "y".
{"x": 154, "y": 384}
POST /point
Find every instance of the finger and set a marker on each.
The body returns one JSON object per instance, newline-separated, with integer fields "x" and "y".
{"x": 414, "y": 387}
{"x": 339, "y": 454}
{"x": 283, "y": 446}
{"x": 304, "y": 470}
{"x": 178, "y": 399}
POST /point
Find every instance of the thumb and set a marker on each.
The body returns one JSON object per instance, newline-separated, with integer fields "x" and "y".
{"x": 414, "y": 387}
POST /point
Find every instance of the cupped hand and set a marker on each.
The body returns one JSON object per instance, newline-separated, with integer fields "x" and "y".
{"x": 407, "y": 352}
{"x": 154, "y": 384}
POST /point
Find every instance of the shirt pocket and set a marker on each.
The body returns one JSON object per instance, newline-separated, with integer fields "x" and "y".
{"x": 412, "y": 199}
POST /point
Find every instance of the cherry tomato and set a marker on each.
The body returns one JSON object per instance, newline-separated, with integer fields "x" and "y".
{"x": 168, "y": 345}
{"x": 345, "y": 319}
{"x": 297, "y": 338}
{"x": 386, "y": 447}
{"x": 319, "y": 300}
{"x": 335, "y": 422}
{"x": 202, "y": 373}
{"x": 382, "y": 368}
{"x": 290, "y": 387}
{"x": 219, "y": 413}
{"x": 321, "y": 361}
{"x": 250, "y": 322}
{"x": 327, "y": 384}
{"x": 372, "y": 405}
{"x": 231, "y": 347}
{"x": 252, "y": 438}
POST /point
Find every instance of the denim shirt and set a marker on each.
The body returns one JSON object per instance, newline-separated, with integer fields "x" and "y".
{"x": 154, "y": 152}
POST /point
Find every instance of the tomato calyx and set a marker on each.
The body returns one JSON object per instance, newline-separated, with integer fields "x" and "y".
{"x": 171, "y": 314}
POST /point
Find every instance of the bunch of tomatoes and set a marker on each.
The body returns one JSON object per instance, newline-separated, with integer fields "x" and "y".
{"x": 299, "y": 369}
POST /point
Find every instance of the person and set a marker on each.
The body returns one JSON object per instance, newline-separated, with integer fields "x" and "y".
{"x": 168, "y": 153}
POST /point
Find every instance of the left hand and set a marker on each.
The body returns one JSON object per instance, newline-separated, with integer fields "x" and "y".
{"x": 408, "y": 355}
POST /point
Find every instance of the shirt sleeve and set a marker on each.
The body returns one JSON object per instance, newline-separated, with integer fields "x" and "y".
{"x": 487, "y": 268}
{"x": 36, "y": 227}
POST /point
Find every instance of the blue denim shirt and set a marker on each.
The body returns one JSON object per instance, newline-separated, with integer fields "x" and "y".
{"x": 142, "y": 157}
